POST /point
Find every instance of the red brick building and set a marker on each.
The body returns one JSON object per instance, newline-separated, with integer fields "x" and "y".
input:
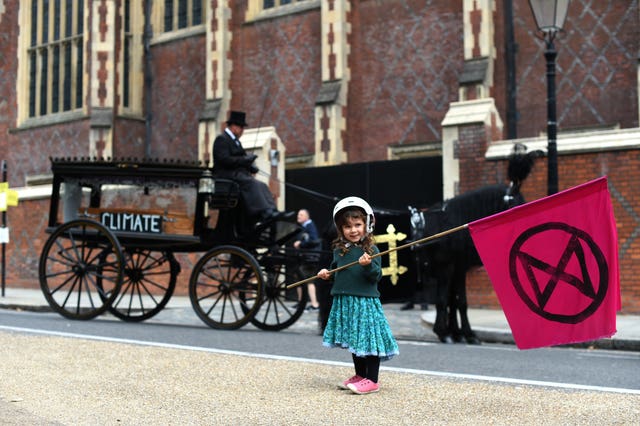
{"x": 341, "y": 82}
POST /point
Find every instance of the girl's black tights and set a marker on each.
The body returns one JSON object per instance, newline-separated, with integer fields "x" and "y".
{"x": 367, "y": 366}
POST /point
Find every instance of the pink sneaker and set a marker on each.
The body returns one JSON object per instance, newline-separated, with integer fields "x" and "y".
{"x": 364, "y": 386}
{"x": 346, "y": 383}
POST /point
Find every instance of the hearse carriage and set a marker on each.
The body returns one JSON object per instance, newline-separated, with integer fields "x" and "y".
{"x": 115, "y": 226}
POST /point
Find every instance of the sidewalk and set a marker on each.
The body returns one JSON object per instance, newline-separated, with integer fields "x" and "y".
{"x": 489, "y": 325}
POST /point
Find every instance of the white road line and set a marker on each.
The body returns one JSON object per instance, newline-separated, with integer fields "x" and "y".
{"x": 334, "y": 363}
{"x": 415, "y": 343}
{"x": 623, "y": 355}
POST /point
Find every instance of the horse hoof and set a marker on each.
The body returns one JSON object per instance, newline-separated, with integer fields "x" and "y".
{"x": 447, "y": 340}
{"x": 473, "y": 340}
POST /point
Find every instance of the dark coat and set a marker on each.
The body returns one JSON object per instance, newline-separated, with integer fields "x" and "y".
{"x": 309, "y": 238}
{"x": 231, "y": 161}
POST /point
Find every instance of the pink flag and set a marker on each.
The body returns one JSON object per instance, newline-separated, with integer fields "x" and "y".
{"x": 554, "y": 266}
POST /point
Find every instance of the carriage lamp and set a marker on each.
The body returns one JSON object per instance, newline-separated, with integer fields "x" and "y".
{"x": 550, "y": 16}
{"x": 206, "y": 184}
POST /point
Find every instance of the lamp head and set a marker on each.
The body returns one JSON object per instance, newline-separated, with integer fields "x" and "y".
{"x": 549, "y": 14}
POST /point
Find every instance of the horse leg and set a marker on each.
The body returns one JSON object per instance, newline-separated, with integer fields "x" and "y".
{"x": 325, "y": 300}
{"x": 441, "y": 326}
{"x": 465, "y": 331}
{"x": 454, "y": 329}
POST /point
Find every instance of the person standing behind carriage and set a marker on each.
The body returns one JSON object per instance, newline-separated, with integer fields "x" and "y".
{"x": 309, "y": 244}
{"x": 357, "y": 321}
{"x": 231, "y": 161}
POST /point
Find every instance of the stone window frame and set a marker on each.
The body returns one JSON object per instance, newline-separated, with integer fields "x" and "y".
{"x": 130, "y": 93}
{"x": 181, "y": 16}
{"x": 52, "y": 50}
{"x": 159, "y": 20}
{"x": 36, "y": 110}
{"x": 271, "y": 4}
{"x": 257, "y": 11}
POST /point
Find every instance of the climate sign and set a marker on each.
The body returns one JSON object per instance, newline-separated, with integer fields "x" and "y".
{"x": 132, "y": 222}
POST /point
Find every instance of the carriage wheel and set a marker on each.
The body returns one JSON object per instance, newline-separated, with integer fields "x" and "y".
{"x": 281, "y": 307}
{"x": 226, "y": 287}
{"x": 148, "y": 283}
{"x": 81, "y": 269}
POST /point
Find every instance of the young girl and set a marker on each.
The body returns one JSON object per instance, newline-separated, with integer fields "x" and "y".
{"x": 357, "y": 321}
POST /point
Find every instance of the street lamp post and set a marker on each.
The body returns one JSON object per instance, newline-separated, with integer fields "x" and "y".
{"x": 550, "y": 16}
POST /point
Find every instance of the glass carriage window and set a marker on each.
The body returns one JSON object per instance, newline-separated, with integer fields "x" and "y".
{"x": 158, "y": 205}
{"x": 179, "y": 14}
{"x": 56, "y": 56}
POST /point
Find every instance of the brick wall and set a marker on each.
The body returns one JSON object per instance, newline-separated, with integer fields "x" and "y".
{"x": 405, "y": 60}
{"x": 27, "y": 223}
{"x": 596, "y": 67}
{"x": 178, "y": 97}
{"x": 276, "y": 76}
{"x": 8, "y": 66}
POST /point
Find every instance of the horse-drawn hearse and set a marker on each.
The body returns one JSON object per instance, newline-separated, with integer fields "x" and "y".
{"x": 115, "y": 225}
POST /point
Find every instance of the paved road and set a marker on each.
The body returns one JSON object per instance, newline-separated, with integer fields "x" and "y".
{"x": 562, "y": 366}
{"x": 73, "y": 380}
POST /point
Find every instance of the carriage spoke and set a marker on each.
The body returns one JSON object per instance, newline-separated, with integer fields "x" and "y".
{"x": 80, "y": 270}
{"x": 225, "y": 287}
{"x": 149, "y": 281}
{"x": 280, "y": 307}
{"x": 70, "y": 292}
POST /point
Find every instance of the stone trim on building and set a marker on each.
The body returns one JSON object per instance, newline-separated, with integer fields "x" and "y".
{"x": 573, "y": 143}
{"x": 331, "y": 104}
{"x": 479, "y": 112}
{"x": 218, "y": 75}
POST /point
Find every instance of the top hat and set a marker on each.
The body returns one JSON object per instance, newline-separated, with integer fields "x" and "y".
{"x": 237, "y": 117}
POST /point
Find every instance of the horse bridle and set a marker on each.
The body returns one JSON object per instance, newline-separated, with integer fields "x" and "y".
{"x": 510, "y": 194}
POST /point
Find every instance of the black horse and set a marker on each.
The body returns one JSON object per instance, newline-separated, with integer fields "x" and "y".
{"x": 445, "y": 261}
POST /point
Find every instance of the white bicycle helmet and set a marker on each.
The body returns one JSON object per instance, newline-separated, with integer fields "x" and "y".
{"x": 356, "y": 202}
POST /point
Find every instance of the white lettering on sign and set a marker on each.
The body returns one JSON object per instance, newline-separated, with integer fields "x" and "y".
{"x": 132, "y": 222}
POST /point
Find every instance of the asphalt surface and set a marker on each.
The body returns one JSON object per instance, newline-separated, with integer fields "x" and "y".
{"x": 53, "y": 380}
{"x": 490, "y": 325}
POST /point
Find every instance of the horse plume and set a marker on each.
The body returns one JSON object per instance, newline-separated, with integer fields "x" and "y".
{"x": 521, "y": 163}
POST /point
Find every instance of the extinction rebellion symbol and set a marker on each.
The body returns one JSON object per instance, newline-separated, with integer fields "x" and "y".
{"x": 564, "y": 282}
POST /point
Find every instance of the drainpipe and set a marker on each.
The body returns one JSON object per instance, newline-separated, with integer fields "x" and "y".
{"x": 148, "y": 77}
{"x": 510, "y": 55}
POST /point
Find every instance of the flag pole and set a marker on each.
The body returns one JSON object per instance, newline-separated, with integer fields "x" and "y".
{"x": 382, "y": 253}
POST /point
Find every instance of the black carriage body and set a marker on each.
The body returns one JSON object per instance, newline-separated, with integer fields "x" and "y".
{"x": 151, "y": 205}
{"x": 114, "y": 226}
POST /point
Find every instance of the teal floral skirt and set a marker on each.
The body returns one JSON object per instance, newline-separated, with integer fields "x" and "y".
{"x": 358, "y": 324}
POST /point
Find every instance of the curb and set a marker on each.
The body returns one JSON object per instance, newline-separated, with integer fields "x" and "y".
{"x": 494, "y": 335}
{"x": 28, "y": 308}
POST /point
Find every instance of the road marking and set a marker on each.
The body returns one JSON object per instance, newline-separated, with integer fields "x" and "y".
{"x": 611, "y": 355}
{"x": 474, "y": 377}
{"x": 415, "y": 343}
